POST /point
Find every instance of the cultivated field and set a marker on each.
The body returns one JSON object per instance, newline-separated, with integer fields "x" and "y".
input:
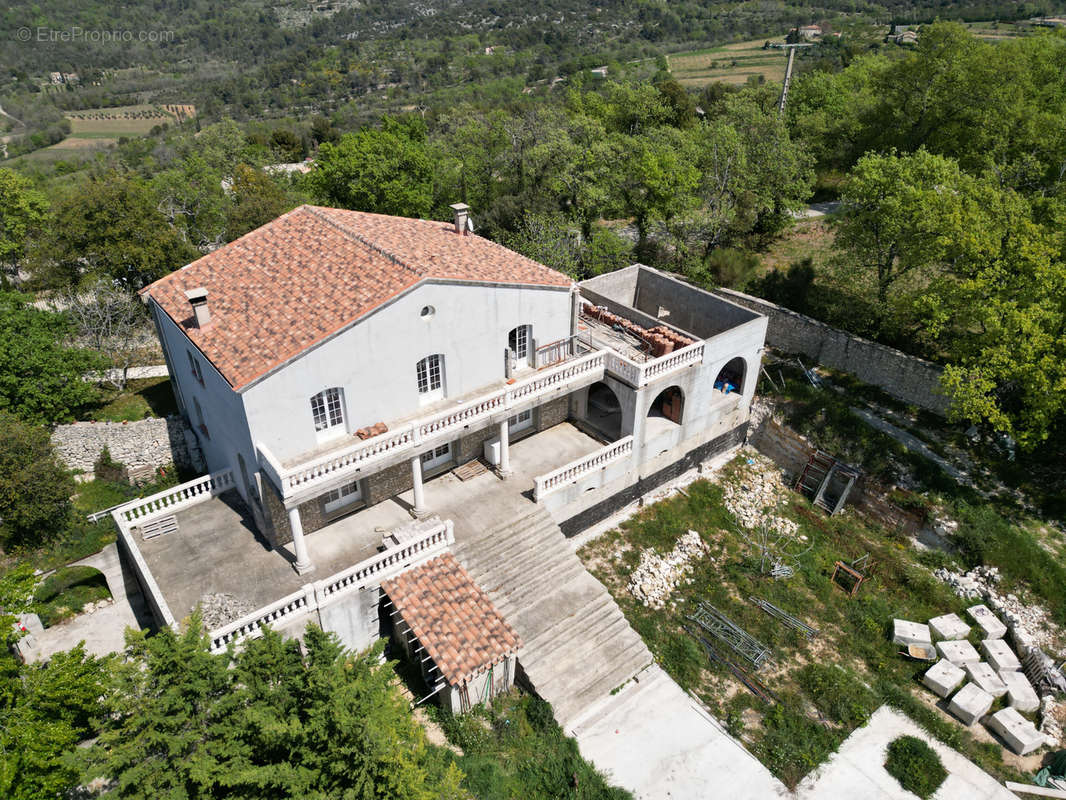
{"x": 732, "y": 63}
{"x": 98, "y": 123}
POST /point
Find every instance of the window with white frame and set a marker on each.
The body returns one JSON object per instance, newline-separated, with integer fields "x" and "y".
{"x": 436, "y": 457}
{"x": 518, "y": 340}
{"x": 327, "y": 409}
{"x": 194, "y": 366}
{"x": 520, "y": 421}
{"x": 342, "y": 496}
{"x": 430, "y": 375}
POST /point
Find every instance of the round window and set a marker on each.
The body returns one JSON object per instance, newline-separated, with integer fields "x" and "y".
{"x": 428, "y": 312}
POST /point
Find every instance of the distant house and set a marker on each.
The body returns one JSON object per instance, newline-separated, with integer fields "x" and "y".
{"x": 599, "y": 72}
{"x": 907, "y": 38}
{"x": 810, "y": 31}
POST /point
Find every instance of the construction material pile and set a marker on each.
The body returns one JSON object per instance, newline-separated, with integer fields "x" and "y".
{"x": 221, "y": 609}
{"x": 1029, "y": 623}
{"x": 757, "y": 493}
{"x": 657, "y": 576}
{"x": 660, "y": 339}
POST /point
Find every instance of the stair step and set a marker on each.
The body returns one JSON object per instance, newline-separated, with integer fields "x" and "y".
{"x": 577, "y": 702}
{"x": 531, "y": 567}
{"x": 533, "y": 544}
{"x": 580, "y": 669}
{"x": 531, "y": 592}
{"x": 536, "y": 514}
{"x": 490, "y": 552}
{"x": 590, "y": 613}
{"x": 580, "y": 638}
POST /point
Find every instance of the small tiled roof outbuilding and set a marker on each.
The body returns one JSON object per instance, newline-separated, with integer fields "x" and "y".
{"x": 452, "y": 617}
{"x": 312, "y": 272}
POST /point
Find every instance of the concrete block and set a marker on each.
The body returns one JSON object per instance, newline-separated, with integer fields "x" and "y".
{"x": 904, "y": 632}
{"x": 970, "y": 703}
{"x": 988, "y": 622}
{"x": 958, "y": 652}
{"x": 984, "y": 677}
{"x": 1019, "y": 733}
{"x": 949, "y": 626}
{"x": 1020, "y": 693}
{"x": 943, "y": 677}
{"x": 999, "y": 655}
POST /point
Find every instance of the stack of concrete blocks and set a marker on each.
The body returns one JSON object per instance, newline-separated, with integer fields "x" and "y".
{"x": 949, "y": 626}
{"x": 1020, "y": 693}
{"x": 970, "y": 703}
{"x": 907, "y": 633}
{"x": 943, "y": 677}
{"x": 989, "y": 623}
{"x": 1019, "y": 733}
{"x": 985, "y": 678}
{"x": 958, "y": 652}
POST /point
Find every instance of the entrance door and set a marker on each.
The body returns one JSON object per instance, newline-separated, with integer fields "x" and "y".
{"x": 437, "y": 457}
{"x": 519, "y": 341}
{"x": 343, "y": 496}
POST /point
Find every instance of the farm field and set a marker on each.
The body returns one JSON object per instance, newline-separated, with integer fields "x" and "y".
{"x": 732, "y": 63}
{"x": 125, "y": 120}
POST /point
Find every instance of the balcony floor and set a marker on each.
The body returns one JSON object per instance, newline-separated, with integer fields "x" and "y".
{"x": 215, "y": 549}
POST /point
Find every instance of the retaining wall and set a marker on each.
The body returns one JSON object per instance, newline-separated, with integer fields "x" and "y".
{"x": 143, "y": 445}
{"x": 907, "y": 378}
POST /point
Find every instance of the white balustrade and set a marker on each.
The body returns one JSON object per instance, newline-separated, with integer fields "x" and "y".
{"x": 359, "y": 454}
{"x": 579, "y": 468}
{"x": 639, "y": 375}
{"x": 174, "y": 499}
{"x": 314, "y": 596}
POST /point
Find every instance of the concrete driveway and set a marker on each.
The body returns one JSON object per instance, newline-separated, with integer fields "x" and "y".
{"x": 654, "y": 740}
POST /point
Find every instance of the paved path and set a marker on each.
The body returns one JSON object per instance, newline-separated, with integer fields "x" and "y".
{"x": 654, "y": 740}
{"x": 856, "y": 770}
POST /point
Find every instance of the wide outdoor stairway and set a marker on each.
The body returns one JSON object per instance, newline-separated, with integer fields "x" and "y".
{"x": 577, "y": 646}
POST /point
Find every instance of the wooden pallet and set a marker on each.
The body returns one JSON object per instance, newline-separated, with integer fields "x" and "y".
{"x": 471, "y": 469}
{"x": 158, "y": 527}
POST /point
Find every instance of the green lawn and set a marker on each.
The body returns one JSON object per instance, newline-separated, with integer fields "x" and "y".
{"x": 149, "y": 397}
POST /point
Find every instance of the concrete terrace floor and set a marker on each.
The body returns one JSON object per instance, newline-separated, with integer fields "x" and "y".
{"x": 216, "y": 549}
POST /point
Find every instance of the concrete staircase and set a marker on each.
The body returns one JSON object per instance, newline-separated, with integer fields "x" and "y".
{"x": 577, "y": 645}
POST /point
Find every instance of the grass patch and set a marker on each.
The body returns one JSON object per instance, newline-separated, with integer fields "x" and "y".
{"x": 67, "y": 592}
{"x": 515, "y": 749}
{"x": 915, "y": 765}
{"x": 147, "y": 397}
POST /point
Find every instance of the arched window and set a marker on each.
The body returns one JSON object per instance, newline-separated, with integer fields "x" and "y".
{"x": 327, "y": 409}
{"x": 669, "y": 404}
{"x": 429, "y": 373}
{"x": 520, "y": 342}
{"x": 731, "y": 377}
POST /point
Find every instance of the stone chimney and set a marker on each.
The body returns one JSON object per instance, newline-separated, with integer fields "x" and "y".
{"x": 198, "y": 300}
{"x": 462, "y": 218}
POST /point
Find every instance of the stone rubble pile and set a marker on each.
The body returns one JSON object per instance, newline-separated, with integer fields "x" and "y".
{"x": 1029, "y": 624}
{"x": 1050, "y": 723}
{"x": 221, "y": 609}
{"x": 756, "y": 495}
{"x": 657, "y": 576}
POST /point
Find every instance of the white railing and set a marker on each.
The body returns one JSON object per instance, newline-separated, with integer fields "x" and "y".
{"x": 639, "y": 375}
{"x": 314, "y": 596}
{"x": 575, "y": 470}
{"x": 174, "y": 499}
{"x": 556, "y": 352}
{"x": 334, "y": 464}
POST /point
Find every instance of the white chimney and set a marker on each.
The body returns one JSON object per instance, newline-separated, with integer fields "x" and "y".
{"x": 462, "y": 218}
{"x": 198, "y": 300}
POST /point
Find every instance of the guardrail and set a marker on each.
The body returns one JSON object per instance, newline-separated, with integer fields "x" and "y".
{"x": 571, "y": 473}
{"x": 174, "y": 499}
{"x": 314, "y": 596}
{"x": 332, "y": 465}
{"x": 639, "y": 375}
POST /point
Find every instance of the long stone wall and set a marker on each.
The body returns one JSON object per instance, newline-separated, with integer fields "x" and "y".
{"x": 907, "y": 378}
{"x": 143, "y": 445}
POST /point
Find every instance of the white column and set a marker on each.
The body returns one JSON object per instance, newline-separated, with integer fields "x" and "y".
{"x": 416, "y": 481}
{"x": 303, "y": 561}
{"x": 505, "y": 449}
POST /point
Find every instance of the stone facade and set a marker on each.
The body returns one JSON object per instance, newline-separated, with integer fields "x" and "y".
{"x": 143, "y": 446}
{"x": 552, "y": 413}
{"x": 907, "y": 378}
{"x": 390, "y": 482}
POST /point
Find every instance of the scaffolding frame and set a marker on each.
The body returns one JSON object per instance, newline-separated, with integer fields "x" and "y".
{"x": 725, "y": 630}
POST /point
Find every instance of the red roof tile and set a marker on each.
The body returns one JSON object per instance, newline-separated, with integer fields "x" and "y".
{"x": 452, "y": 617}
{"x": 313, "y": 271}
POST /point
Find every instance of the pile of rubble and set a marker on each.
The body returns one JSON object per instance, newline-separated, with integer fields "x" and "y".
{"x": 656, "y": 576}
{"x": 221, "y": 609}
{"x": 753, "y": 499}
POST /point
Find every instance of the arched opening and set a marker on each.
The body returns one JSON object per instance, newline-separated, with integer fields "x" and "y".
{"x": 731, "y": 377}
{"x": 603, "y": 411}
{"x": 669, "y": 405}
{"x": 520, "y": 343}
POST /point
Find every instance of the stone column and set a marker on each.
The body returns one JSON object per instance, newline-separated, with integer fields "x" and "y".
{"x": 505, "y": 449}
{"x": 303, "y": 561}
{"x": 416, "y": 484}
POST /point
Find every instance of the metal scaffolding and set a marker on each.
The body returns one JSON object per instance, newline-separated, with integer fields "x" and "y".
{"x": 725, "y": 630}
{"x": 785, "y": 617}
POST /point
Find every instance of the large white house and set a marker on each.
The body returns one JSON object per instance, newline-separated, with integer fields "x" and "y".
{"x": 333, "y": 359}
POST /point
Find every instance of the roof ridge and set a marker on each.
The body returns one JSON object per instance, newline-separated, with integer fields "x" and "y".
{"x": 315, "y": 212}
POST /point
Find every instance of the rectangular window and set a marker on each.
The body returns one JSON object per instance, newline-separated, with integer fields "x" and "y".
{"x": 520, "y": 421}
{"x": 194, "y": 366}
{"x": 429, "y": 375}
{"x": 437, "y": 456}
{"x": 327, "y": 409}
{"x": 343, "y": 496}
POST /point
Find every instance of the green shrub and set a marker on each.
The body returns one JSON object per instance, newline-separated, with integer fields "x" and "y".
{"x": 67, "y": 592}
{"x": 792, "y": 745}
{"x": 838, "y": 693}
{"x": 107, "y": 469}
{"x": 915, "y": 765}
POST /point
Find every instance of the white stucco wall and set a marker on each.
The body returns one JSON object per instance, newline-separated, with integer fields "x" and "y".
{"x": 374, "y": 361}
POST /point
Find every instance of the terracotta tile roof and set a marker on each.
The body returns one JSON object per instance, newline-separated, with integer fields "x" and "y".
{"x": 284, "y": 287}
{"x": 452, "y": 617}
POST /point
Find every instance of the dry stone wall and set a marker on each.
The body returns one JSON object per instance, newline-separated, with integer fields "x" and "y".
{"x": 143, "y": 446}
{"x": 907, "y": 378}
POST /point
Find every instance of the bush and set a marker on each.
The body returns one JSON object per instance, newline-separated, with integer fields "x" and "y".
{"x": 838, "y": 693}
{"x": 107, "y": 469}
{"x": 915, "y": 765}
{"x": 35, "y": 488}
{"x": 65, "y": 593}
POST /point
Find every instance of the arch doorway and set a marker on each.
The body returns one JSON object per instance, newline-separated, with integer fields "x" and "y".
{"x": 731, "y": 377}
{"x": 603, "y": 411}
{"x": 669, "y": 405}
